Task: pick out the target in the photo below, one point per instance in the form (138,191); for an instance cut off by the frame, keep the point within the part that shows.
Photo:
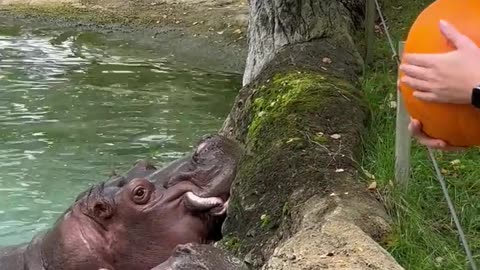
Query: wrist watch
(476,96)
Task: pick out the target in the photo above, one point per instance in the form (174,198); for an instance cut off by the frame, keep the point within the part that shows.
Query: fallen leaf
(438,259)
(327,60)
(336,136)
(238,31)
(368,174)
(455,162)
(293,139)
(372,186)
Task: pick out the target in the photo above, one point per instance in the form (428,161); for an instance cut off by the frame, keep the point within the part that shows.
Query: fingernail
(443,25)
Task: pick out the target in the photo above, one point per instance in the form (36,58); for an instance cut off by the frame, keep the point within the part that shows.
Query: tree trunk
(297,201)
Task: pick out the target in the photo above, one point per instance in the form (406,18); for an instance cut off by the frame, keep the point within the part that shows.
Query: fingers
(417,84)
(457,39)
(415,71)
(426,96)
(425,60)
(415,128)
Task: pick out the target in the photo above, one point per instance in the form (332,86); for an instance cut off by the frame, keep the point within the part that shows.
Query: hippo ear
(101,210)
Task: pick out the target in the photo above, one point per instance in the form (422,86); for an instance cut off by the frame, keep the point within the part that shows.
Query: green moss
(286,209)
(265,221)
(320,138)
(231,243)
(286,97)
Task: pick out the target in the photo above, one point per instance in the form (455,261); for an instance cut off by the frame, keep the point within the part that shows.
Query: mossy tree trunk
(297,201)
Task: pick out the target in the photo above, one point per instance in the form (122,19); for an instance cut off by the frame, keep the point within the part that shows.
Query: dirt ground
(219,18)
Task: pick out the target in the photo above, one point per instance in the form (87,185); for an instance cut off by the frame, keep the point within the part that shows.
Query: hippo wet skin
(136,221)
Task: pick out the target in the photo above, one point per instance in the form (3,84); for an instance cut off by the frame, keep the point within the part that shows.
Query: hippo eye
(140,195)
(140,192)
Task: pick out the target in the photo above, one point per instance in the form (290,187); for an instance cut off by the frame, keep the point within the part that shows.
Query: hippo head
(137,223)
(209,170)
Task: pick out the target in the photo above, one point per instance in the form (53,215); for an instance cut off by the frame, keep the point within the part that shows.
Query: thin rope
(434,161)
(390,41)
(452,209)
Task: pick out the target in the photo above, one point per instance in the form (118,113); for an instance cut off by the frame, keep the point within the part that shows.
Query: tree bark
(297,201)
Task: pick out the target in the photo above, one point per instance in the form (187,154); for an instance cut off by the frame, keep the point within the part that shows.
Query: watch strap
(476,97)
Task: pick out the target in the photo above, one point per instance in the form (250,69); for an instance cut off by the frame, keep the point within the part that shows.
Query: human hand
(415,128)
(448,77)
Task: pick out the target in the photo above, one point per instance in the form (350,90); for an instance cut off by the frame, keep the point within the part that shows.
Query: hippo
(137,220)
(195,256)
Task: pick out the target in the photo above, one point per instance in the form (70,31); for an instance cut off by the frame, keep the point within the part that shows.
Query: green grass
(424,235)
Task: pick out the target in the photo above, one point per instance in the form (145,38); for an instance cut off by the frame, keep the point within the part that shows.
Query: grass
(424,235)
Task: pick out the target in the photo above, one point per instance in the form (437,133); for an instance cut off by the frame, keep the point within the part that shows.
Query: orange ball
(458,125)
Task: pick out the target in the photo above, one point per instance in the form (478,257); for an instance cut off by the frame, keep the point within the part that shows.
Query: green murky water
(75,106)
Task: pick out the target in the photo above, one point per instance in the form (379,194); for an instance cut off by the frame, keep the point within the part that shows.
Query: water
(75,106)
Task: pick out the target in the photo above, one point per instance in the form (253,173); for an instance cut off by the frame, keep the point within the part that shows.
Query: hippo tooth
(199,203)
(220,210)
(201,146)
